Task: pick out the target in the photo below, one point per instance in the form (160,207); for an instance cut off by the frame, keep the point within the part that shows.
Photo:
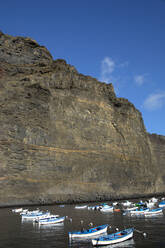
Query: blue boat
(89,232)
(154,212)
(114,237)
(139,211)
(162,204)
(50,220)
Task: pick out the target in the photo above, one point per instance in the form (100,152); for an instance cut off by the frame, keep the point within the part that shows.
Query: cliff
(66,137)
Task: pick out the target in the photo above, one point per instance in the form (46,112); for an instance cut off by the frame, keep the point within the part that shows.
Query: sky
(116,41)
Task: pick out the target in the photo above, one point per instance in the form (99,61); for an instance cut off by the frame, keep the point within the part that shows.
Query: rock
(66,137)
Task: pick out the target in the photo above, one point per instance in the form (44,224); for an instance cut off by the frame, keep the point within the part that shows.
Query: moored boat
(139,211)
(126,203)
(114,237)
(17,210)
(96,207)
(162,204)
(50,220)
(26,211)
(33,216)
(89,232)
(106,208)
(154,212)
(81,207)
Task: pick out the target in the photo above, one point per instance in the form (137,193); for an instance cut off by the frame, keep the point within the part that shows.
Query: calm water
(15,233)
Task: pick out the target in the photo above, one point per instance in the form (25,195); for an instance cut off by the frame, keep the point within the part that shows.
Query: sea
(16,232)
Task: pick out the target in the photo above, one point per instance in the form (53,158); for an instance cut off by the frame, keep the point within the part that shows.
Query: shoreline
(73,202)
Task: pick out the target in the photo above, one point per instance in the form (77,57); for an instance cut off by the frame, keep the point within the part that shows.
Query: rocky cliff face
(158,151)
(65,137)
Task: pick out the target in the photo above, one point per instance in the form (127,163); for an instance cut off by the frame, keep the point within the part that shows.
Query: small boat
(81,207)
(37,215)
(154,212)
(114,237)
(139,211)
(106,208)
(153,199)
(96,207)
(162,204)
(26,211)
(127,203)
(17,210)
(89,232)
(50,220)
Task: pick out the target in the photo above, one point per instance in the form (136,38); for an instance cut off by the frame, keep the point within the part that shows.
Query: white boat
(153,199)
(26,211)
(17,210)
(50,220)
(106,208)
(94,207)
(33,216)
(80,207)
(126,203)
(89,232)
(114,238)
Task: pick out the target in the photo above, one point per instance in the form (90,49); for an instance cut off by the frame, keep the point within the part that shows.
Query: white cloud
(107,67)
(111,72)
(154,101)
(139,79)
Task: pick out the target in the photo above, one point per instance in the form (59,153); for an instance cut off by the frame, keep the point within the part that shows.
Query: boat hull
(154,212)
(114,239)
(89,233)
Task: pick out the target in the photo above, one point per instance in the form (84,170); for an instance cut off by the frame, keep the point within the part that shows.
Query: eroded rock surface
(66,137)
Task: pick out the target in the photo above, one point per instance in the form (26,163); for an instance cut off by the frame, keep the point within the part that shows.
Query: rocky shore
(66,137)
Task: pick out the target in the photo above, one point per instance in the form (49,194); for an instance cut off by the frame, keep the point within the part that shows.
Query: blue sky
(118,41)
